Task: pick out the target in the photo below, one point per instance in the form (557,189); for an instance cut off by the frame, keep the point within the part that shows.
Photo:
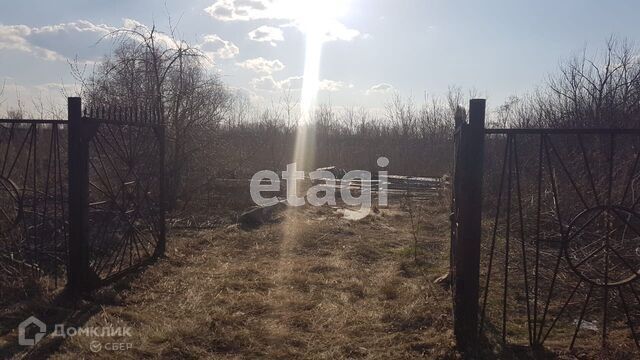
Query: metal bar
(588,168)
(36,238)
(62,198)
(18,152)
(561,131)
(493,238)
(612,150)
(467,252)
(114,122)
(522,238)
(605,305)
(6,153)
(32,121)
(568,173)
(591,255)
(507,247)
(553,323)
(582,313)
(632,171)
(556,200)
(162,236)
(630,323)
(537,257)
(25,178)
(78,199)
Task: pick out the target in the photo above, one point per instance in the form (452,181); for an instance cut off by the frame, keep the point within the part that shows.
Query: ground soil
(309,285)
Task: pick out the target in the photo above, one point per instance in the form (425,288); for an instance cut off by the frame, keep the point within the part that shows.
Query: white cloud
(240,10)
(291,83)
(212,45)
(268,83)
(262,65)
(14,37)
(269,34)
(338,31)
(164,39)
(290,11)
(216,48)
(333,86)
(244,96)
(380,89)
(57,42)
(89,42)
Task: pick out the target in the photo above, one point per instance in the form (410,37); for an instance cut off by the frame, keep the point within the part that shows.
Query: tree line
(214,132)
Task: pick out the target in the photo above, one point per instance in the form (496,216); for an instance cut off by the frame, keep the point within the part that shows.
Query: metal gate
(550,246)
(33,193)
(126,189)
(82,200)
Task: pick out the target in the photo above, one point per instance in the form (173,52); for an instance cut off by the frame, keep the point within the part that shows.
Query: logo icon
(32,338)
(95,346)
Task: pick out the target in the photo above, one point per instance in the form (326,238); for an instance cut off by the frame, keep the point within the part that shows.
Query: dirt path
(313,285)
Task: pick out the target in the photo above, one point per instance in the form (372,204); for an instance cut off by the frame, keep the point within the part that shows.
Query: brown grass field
(310,285)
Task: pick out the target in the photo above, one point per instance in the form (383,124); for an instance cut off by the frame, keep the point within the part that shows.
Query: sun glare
(316,19)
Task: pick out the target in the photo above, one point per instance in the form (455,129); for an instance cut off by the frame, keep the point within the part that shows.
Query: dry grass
(312,286)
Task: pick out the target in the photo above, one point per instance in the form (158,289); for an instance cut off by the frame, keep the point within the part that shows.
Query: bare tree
(598,91)
(149,69)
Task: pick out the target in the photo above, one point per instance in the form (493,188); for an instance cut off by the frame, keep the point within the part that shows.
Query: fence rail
(579,131)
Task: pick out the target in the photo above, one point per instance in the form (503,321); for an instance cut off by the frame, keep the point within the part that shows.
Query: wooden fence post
(466,247)
(78,159)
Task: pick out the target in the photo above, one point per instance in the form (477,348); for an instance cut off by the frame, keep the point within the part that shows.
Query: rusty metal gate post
(78,158)
(466,242)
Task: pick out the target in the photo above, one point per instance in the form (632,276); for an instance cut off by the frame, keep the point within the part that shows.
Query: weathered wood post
(78,159)
(466,247)
(460,119)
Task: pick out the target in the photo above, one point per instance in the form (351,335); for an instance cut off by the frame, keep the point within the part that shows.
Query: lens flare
(316,18)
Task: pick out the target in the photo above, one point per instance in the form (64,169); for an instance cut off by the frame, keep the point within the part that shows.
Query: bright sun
(316,18)
(319,15)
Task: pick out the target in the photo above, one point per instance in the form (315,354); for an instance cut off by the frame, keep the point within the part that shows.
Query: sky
(369,48)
